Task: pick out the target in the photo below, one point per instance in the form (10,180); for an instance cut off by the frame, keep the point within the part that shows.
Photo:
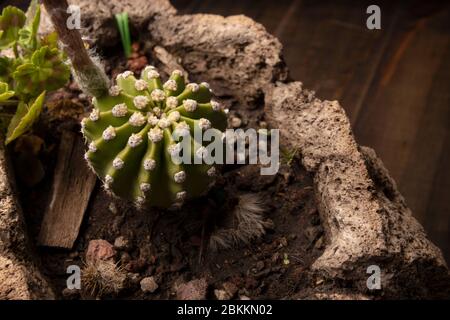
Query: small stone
(121,243)
(149,284)
(192,290)
(221,295)
(230,288)
(99,250)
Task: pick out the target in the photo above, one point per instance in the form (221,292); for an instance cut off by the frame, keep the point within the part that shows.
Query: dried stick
(90,75)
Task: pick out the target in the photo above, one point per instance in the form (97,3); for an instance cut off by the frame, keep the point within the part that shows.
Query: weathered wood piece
(73,183)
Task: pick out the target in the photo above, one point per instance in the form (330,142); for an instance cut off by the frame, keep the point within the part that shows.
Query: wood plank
(328,47)
(73,183)
(326,44)
(405,116)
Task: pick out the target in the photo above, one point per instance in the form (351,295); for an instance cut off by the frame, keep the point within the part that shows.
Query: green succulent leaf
(124,30)
(12,20)
(5,93)
(50,40)
(28,35)
(45,71)
(6,65)
(24,118)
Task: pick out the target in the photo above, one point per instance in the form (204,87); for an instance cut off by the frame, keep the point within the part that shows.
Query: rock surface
(19,275)
(98,23)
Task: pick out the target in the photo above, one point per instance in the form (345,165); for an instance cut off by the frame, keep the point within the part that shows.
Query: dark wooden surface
(394,83)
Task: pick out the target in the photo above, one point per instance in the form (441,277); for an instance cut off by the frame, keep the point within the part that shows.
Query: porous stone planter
(365,218)
(19,274)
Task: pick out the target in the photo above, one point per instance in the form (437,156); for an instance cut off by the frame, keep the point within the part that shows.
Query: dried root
(102,277)
(245,224)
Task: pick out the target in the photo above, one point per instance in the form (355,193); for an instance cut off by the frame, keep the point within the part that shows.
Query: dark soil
(173,246)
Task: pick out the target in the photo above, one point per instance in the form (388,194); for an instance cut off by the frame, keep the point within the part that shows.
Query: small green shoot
(288,156)
(124,29)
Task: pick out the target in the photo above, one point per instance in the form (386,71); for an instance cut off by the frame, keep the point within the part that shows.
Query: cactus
(130,138)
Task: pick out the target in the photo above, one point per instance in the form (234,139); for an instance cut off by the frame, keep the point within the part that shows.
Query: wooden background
(394,83)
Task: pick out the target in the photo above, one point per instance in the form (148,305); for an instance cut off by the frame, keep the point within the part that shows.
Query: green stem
(16,50)
(124,30)
(127,34)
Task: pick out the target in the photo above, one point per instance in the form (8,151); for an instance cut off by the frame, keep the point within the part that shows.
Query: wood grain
(73,183)
(405,116)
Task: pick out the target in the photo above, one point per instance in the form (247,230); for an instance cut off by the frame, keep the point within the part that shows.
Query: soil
(173,246)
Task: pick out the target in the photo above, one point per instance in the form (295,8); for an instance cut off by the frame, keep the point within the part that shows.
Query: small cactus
(129,132)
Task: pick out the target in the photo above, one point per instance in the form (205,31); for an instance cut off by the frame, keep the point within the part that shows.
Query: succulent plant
(30,66)
(131,140)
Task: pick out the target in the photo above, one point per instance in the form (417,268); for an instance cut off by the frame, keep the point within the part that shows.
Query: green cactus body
(130,137)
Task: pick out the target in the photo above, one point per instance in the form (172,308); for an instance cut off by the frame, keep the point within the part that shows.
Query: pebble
(221,295)
(192,290)
(149,285)
(121,243)
(99,250)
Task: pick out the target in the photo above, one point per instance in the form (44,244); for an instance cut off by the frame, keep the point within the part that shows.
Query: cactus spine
(131,141)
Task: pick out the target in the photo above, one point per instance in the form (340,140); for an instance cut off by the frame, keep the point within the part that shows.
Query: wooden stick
(73,183)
